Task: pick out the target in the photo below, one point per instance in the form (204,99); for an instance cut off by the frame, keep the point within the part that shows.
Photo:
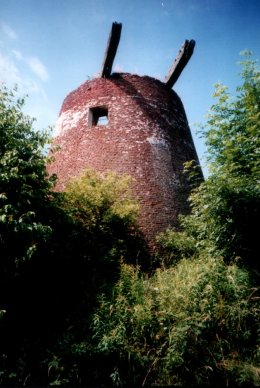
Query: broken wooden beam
(110,53)
(180,62)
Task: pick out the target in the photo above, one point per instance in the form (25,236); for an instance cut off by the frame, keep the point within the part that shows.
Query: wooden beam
(180,62)
(110,53)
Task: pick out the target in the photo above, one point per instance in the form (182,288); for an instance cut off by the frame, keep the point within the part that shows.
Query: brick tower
(132,125)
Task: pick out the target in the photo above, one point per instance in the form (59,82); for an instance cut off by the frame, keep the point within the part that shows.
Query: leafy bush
(72,311)
(225,208)
(173,246)
(99,198)
(192,324)
(103,207)
(58,252)
(24,187)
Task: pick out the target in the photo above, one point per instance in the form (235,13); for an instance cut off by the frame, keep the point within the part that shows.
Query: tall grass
(195,323)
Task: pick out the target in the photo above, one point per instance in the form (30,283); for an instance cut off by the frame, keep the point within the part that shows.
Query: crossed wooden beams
(175,71)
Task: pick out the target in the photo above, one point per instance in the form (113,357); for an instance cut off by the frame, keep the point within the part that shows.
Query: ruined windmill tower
(132,125)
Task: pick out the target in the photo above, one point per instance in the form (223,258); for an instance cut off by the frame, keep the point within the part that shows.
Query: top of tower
(175,70)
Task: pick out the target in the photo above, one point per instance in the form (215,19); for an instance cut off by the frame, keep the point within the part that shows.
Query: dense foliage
(191,324)
(58,250)
(23,187)
(226,206)
(78,305)
(195,321)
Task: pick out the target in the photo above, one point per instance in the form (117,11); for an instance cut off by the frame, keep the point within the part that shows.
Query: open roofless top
(175,70)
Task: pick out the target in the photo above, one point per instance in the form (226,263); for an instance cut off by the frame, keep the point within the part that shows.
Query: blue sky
(50,47)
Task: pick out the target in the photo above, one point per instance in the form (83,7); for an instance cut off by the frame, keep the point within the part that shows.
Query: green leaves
(195,320)
(181,326)
(24,186)
(225,207)
(72,312)
(98,199)
(232,130)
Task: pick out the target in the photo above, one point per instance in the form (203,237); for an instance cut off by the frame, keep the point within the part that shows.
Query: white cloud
(38,68)
(8,31)
(13,55)
(28,73)
(38,104)
(9,72)
(12,75)
(18,55)
(34,63)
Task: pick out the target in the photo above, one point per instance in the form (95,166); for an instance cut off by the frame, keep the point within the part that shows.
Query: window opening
(98,116)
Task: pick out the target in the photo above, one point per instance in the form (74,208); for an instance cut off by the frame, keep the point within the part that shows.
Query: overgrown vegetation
(225,208)
(58,250)
(195,321)
(77,306)
(192,324)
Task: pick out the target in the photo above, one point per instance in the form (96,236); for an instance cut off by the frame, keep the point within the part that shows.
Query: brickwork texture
(146,135)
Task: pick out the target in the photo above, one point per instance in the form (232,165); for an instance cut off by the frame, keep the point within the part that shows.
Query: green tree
(24,185)
(25,191)
(225,208)
(58,251)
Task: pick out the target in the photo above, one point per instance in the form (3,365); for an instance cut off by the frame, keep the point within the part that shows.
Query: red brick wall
(147,137)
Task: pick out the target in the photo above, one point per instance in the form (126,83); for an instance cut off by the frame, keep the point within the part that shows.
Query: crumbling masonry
(132,125)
